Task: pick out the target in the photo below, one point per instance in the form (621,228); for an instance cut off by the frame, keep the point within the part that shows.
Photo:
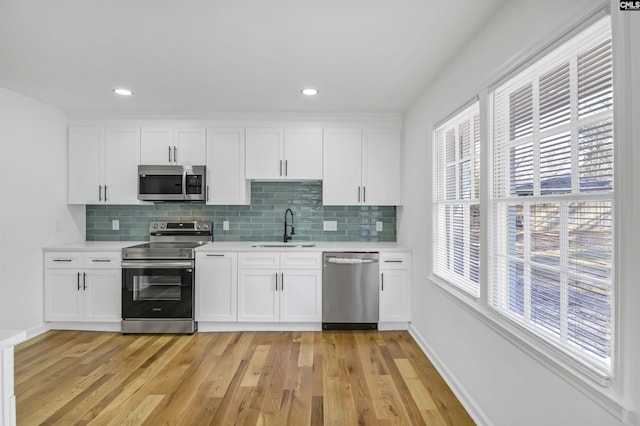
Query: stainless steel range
(158,278)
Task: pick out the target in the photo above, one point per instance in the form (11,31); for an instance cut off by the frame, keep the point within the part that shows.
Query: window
(456,255)
(551,204)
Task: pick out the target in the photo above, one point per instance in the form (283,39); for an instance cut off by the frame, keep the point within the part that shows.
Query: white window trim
(608,393)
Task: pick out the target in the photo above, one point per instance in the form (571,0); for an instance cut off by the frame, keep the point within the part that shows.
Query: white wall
(33,212)
(505,385)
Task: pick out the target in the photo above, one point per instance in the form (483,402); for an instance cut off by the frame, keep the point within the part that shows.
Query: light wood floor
(243,378)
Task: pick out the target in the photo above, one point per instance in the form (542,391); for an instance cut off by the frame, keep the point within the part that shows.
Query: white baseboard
(37,330)
(85,326)
(456,387)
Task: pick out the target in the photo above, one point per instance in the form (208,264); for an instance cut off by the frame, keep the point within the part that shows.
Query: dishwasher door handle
(349,260)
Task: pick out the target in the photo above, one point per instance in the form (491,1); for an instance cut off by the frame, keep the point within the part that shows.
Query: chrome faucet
(288,237)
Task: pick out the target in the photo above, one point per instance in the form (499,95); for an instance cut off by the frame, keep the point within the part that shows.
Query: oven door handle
(184,184)
(181,264)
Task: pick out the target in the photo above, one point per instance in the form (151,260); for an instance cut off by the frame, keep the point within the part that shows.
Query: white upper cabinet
(103,165)
(382,167)
(283,154)
(342,174)
(177,146)
(302,154)
(122,156)
(226,183)
(263,158)
(362,168)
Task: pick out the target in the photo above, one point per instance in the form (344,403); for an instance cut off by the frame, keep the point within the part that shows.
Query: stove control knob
(206,226)
(199,226)
(155,226)
(163,226)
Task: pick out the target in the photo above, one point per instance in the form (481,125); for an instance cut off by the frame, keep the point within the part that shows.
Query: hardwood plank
(142,411)
(252,376)
(414,413)
(306,350)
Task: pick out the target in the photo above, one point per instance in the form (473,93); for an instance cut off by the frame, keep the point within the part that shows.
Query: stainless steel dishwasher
(350,290)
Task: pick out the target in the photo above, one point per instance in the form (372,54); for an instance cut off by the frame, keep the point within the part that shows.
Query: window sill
(591,383)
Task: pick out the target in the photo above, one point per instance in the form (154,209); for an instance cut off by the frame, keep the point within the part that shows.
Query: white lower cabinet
(395,303)
(216,286)
(285,287)
(85,287)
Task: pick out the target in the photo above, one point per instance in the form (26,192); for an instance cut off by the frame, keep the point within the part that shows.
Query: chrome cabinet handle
(105,193)
(285,167)
(99,192)
(364,194)
(169,153)
(78,281)
(215,255)
(276,281)
(358,194)
(101,260)
(282,281)
(382,275)
(84,281)
(208,192)
(393,261)
(175,155)
(280,167)
(62,260)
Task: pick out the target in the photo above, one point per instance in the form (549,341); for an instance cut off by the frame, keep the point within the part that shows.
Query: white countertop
(11,338)
(92,246)
(89,246)
(318,246)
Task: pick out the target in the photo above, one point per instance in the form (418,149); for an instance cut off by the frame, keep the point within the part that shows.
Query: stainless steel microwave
(172,183)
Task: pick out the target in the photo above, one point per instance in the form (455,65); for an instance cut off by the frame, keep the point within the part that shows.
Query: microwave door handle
(184,184)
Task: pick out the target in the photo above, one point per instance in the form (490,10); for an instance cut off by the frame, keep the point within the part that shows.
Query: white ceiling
(207,56)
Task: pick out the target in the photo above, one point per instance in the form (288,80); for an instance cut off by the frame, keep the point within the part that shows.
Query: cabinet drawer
(394,260)
(63,260)
(298,260)
(103,260)
(262,260)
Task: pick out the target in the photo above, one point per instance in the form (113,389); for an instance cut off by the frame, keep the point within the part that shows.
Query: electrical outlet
(225,225)
(329,225)
(379,226)
(115,224)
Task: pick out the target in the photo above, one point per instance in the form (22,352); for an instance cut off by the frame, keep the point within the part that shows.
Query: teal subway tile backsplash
(263,220)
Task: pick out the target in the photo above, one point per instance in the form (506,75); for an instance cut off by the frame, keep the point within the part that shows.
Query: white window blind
(456,244)
(551,230)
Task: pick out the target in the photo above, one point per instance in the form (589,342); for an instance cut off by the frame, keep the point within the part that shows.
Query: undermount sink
(282,245)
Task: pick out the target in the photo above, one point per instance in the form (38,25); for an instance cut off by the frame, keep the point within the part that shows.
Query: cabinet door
(156,146)
(302,154)
(301,296)
(342,168)
(394,299)
(191,146)
(264,154)
(62,299)
(226,183)
(382,168)
(216,286)
(121,159)
(258,299)
(102,293)
(85,165)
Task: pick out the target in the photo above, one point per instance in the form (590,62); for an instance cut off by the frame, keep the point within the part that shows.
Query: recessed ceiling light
(309,91)
(123,92)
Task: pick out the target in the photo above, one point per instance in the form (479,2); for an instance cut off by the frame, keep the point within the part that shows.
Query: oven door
(157,289)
